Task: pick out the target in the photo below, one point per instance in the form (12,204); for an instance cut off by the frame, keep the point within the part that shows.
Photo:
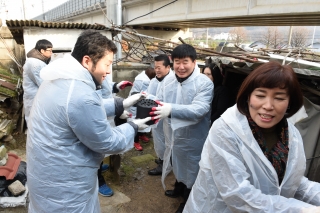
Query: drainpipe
(119,23)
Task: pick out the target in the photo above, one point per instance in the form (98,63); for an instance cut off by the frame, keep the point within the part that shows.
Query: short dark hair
(271,75)
(184,51)
(164,58)
(43,44)
(93,44)
(150,72)
(216,74)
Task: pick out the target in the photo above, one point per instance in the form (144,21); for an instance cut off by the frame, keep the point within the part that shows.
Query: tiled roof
(16,27)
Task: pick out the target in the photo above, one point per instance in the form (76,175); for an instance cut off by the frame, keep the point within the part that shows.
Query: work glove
(131,100)
(162,111)
(125,115)
(123,84)
(311,210)
(141,123)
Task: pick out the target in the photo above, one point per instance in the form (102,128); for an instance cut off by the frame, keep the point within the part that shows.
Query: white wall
(60,38)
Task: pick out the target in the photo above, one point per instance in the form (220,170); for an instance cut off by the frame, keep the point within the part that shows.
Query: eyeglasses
(49,50)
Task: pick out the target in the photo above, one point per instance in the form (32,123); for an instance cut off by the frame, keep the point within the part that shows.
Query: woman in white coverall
(253,159)
(69,133)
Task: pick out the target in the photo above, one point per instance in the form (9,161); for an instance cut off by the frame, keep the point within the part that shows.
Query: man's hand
(133,99)
(123,84)
(141,123)
(162,111)
(125,115)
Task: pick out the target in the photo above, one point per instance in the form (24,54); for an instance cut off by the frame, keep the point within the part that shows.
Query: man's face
(160,69)
(102,68)
(47,53)
(183,67)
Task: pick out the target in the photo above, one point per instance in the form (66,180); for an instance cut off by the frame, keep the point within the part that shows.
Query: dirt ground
(145,192)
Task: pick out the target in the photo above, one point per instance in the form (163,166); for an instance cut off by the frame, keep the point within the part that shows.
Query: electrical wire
(105,14)
(150,12)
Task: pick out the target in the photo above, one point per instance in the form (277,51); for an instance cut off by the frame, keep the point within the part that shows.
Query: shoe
(171,193)
(104,167)
(137,146)
(105,191)
(181,207)
(144,138)
(158,161)
(156,171)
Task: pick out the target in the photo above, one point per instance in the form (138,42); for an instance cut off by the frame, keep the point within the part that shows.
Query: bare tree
(272,37)
(299,37)
(238,35)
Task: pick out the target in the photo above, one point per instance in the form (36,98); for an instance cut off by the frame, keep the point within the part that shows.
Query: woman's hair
(93,44)
(43,44)
(271,75)
(150,72)
(216,74)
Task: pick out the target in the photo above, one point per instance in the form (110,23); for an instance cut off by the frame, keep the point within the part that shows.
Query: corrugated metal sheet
(36,23)
(16,27)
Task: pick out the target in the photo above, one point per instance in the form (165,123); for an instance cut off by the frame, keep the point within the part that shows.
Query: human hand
(123,84)
(162,111)
(315,209)
(125,115)
(131,100)
(141,123)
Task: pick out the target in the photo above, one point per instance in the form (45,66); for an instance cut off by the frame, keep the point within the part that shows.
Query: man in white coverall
(185,109)
(162,68)
(69,133)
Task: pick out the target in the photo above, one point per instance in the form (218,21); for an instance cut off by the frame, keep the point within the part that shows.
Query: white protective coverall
(235,176)
(106,90)
(67,139)
(140,84)
(187,128)
(157,130)
(31,82)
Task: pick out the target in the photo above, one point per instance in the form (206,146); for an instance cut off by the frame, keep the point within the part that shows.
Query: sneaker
(104,167)
(137,146)
(105,191)
(144,138)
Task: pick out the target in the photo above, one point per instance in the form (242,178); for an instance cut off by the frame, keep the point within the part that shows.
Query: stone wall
(126,71)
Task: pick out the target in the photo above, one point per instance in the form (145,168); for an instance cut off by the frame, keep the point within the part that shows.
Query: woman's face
(268,106)
(207,72)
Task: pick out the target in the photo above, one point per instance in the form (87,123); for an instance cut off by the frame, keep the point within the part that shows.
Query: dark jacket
(220,102)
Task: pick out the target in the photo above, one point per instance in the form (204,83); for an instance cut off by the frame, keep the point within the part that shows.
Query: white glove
(125,115)
(142,123)
(161,111)
(311,210)
(131,100)
(123,84)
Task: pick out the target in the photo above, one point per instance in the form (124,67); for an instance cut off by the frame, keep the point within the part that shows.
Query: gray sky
(13,9)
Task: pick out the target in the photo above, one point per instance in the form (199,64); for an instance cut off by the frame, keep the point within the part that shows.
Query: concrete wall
(184,10)
(60,38)
(126,71)
(90,18)
(167,35)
